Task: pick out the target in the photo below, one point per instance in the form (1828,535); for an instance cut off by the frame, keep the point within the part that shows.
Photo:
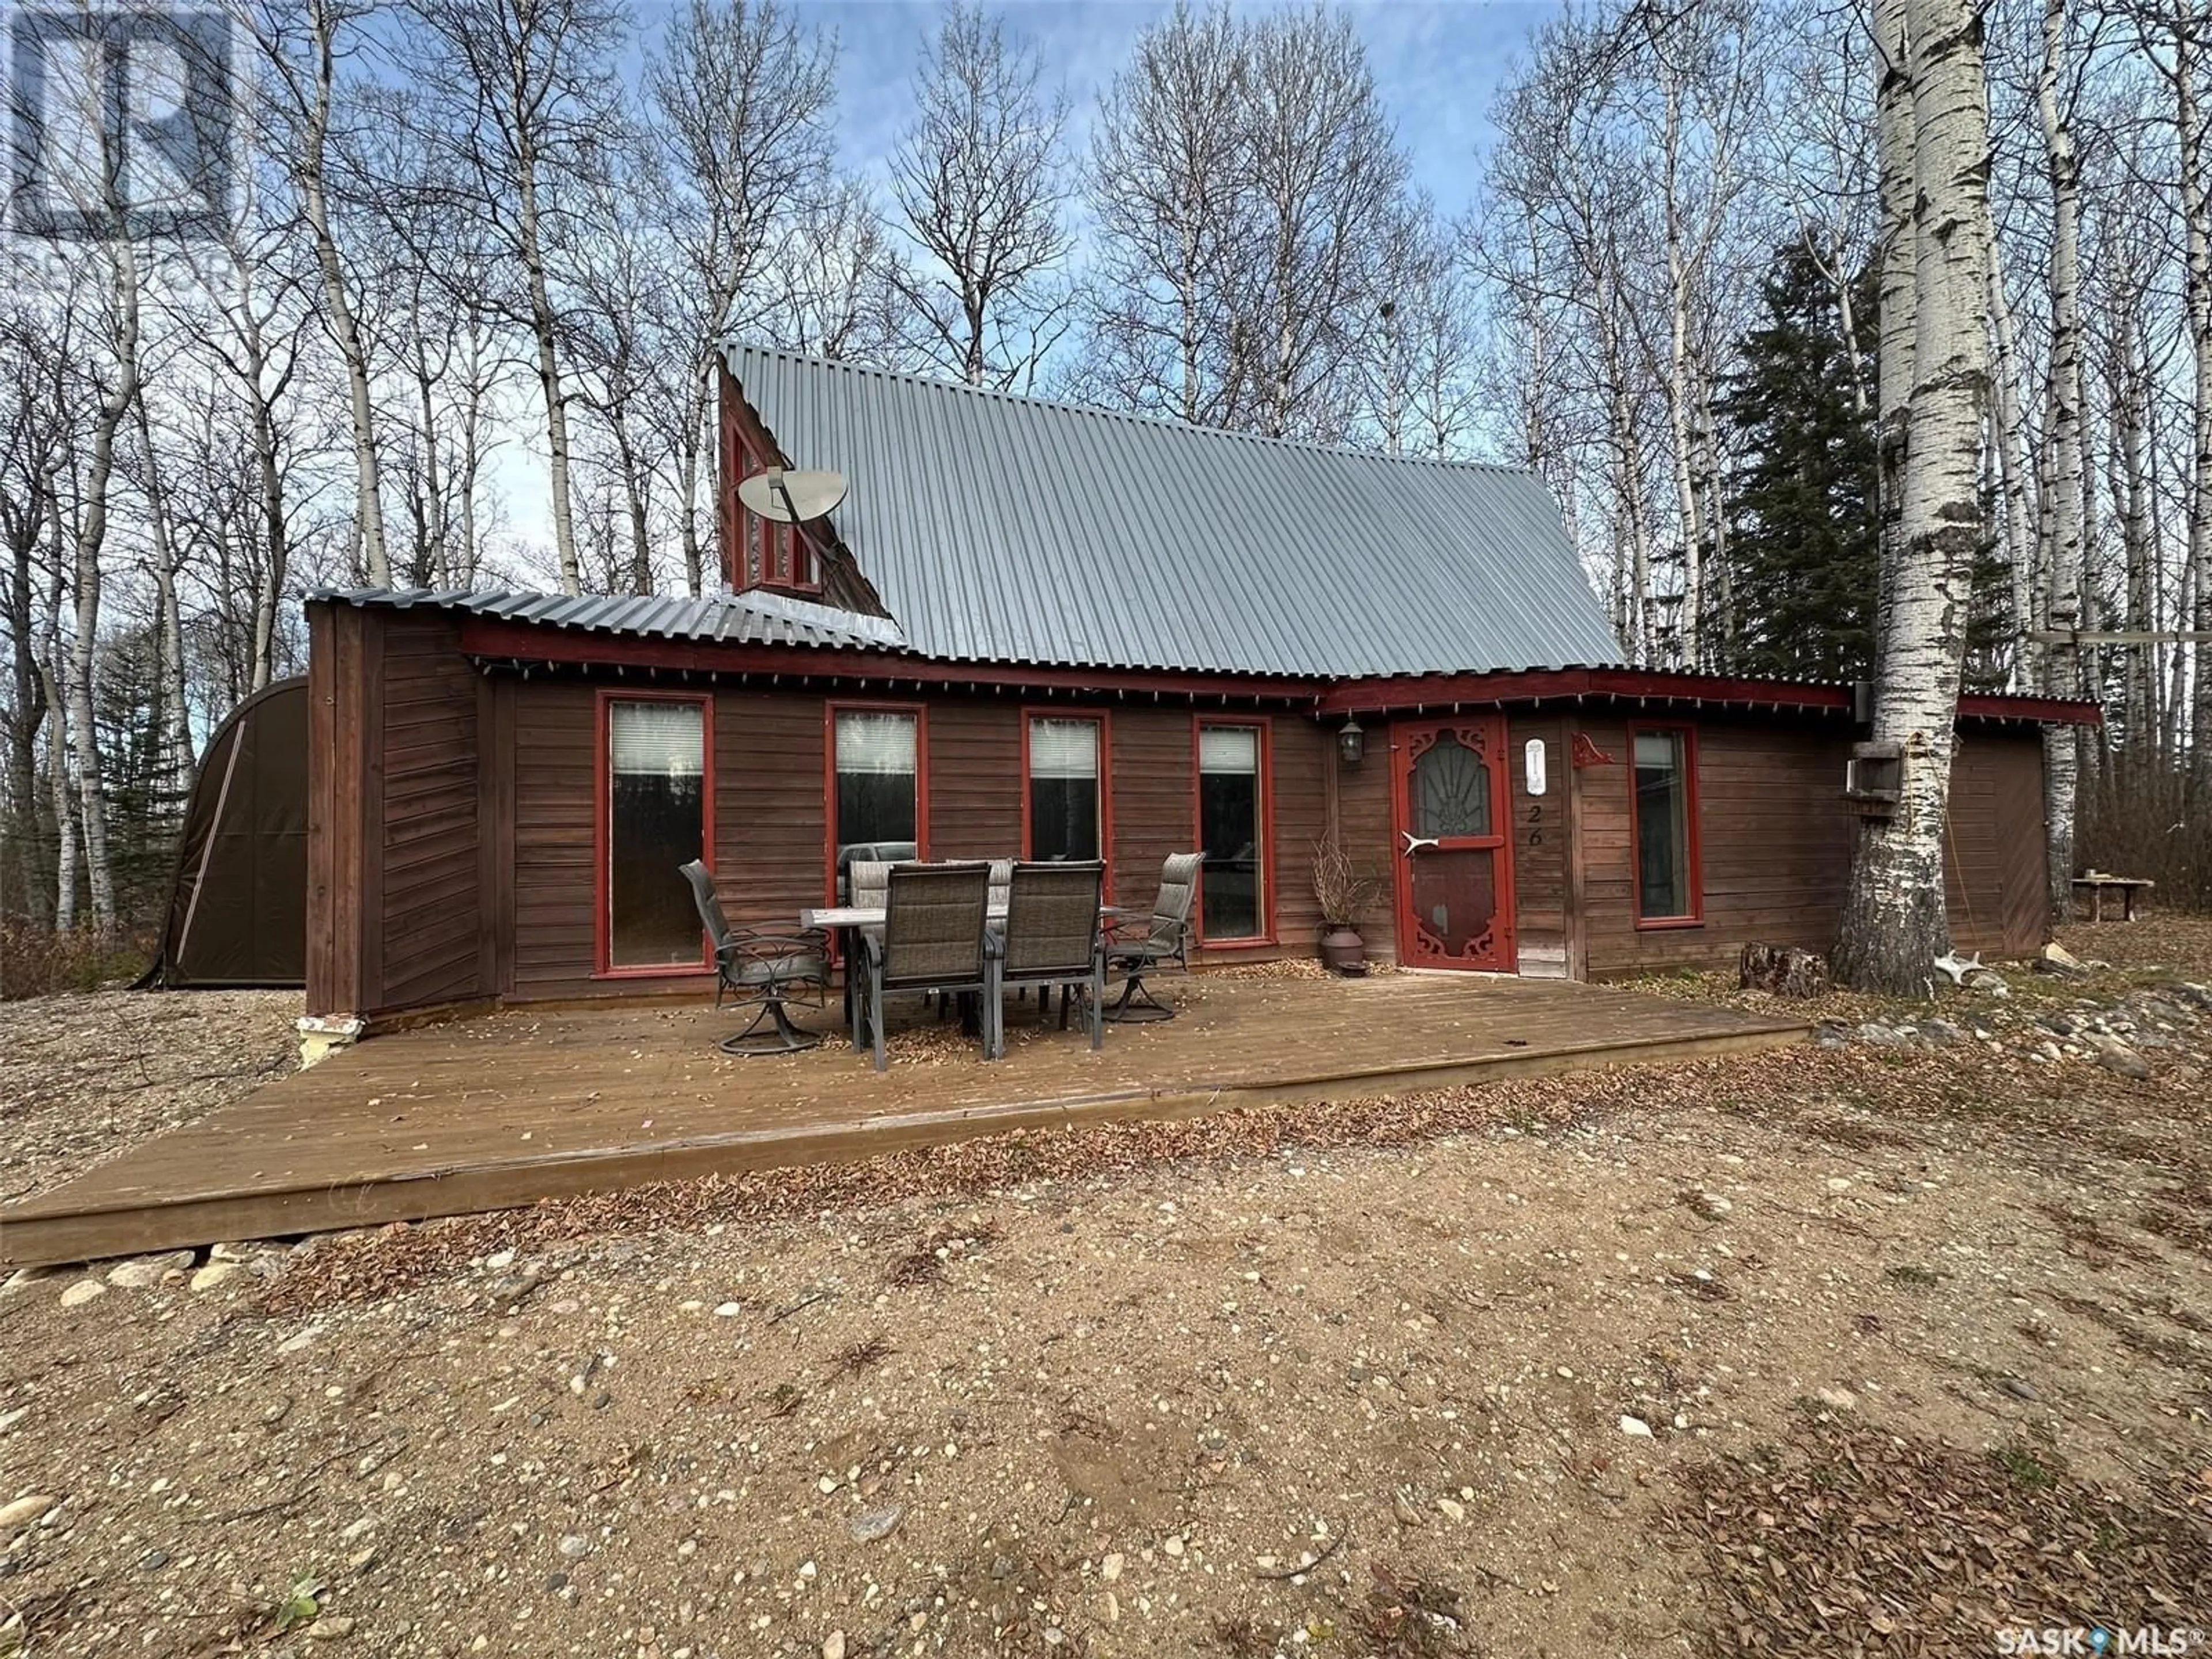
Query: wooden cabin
(1035,631)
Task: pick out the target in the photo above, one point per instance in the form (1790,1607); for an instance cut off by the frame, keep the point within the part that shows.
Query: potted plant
(1346,892)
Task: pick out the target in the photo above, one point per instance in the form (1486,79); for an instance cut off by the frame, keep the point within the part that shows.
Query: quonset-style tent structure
(238,915)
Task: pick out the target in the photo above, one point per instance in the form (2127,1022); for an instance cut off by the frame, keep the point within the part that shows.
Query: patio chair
(932,941)
(1138,942)
(865,882)
(884,853)
(770,968)
(1051,938)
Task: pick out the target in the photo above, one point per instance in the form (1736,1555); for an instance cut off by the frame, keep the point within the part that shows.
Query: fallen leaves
(1849,1529)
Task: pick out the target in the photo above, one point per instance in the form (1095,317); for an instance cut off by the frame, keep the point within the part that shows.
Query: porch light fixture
(1351,742)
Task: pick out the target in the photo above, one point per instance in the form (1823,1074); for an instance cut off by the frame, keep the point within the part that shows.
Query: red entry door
(1455,871)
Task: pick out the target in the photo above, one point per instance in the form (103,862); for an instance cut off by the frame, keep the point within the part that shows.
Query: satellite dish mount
(791,497)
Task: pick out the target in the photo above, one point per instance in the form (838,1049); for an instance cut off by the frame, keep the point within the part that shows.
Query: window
(876,770)
(655,817)
(1065,769)
(1232,831)
(1665,815)
(774,555)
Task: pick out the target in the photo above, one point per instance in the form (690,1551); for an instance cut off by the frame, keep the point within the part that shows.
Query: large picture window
(877,789)
(1232,831)
(1067,789)
(1665,813)
(656,818)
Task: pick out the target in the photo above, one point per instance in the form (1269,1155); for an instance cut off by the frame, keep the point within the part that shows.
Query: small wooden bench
(2097,886)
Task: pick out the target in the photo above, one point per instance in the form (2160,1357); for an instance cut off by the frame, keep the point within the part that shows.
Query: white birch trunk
(60,775)
(1897,919)
(2061,662)
(2196,216)
(1678,396)
(2015,480)
(85,577)
(545,327)
(168,624)
(338,306)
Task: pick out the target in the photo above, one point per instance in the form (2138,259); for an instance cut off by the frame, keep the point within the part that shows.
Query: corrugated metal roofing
(1011,530)
(740,619)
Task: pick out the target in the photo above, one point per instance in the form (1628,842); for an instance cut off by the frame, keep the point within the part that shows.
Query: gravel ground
(1714,1358)
(85,1077)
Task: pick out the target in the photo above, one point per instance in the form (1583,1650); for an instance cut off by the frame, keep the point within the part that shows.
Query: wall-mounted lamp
(1351,742)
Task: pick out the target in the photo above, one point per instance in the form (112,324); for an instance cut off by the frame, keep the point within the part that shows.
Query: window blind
(1063,749)
(1657,750)
(655,739)
(1227,748)
(878,745)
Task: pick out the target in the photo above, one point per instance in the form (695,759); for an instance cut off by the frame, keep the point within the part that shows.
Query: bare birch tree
(1896,921)
(303,45)
(2064,498)
(529,100)
(1165,189)
(743,97)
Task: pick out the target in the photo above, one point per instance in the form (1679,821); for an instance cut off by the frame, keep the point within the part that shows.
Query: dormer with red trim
(759,553)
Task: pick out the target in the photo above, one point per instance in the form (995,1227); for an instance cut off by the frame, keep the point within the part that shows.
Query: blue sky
(1437,61)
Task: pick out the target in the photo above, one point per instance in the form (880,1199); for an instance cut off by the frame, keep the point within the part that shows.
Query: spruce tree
(1803,539)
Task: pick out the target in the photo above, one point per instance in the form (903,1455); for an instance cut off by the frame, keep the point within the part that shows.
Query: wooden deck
(502,1111)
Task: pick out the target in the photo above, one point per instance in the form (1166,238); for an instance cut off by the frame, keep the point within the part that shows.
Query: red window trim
(789,562)
(1267,727)
(1695,857)
(830,713)
(603,847)
(1105,722)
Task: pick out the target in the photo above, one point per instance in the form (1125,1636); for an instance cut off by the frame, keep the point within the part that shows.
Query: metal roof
(739,619)
(1012,529)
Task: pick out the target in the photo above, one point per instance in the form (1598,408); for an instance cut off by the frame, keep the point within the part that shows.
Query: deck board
(506,1109)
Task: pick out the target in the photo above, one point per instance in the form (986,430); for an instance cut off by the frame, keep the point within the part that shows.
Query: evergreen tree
(1803,540)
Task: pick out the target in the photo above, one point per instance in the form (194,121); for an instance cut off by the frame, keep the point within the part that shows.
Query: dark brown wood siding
(770,815)
(1365,822)
(1305,754)
(1996,868)
(975,779)
(427,942)
(555,776)
(1775,843)
(1538,844)
(341,718)
(1155,773)
(769,806)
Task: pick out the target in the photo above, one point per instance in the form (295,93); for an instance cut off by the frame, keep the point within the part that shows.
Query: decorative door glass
(1454,889)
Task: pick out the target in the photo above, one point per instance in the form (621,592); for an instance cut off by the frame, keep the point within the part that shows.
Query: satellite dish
(791,497)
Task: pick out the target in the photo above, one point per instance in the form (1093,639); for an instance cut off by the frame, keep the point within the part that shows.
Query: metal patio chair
(770,968)
(866,885)
(932,941)
(1139,943)
(1052,937)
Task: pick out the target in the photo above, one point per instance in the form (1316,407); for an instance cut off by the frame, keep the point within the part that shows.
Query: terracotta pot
(1343,951)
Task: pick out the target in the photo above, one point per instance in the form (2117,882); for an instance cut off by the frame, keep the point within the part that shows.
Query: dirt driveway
(1897,1344)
